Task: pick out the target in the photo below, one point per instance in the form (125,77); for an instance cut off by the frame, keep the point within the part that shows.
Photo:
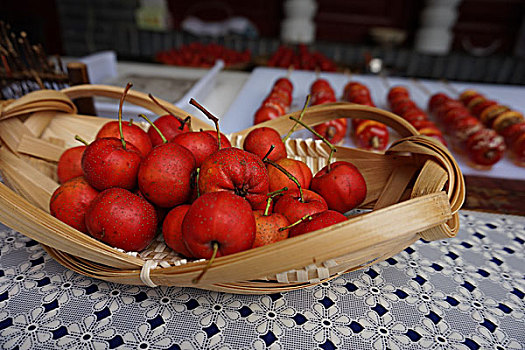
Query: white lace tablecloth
(462,293)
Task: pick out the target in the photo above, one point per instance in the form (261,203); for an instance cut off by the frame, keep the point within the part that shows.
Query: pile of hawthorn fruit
(301,57)
(208,199)
(203,55)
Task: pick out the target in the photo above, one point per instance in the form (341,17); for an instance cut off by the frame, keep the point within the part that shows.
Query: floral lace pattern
(467,292)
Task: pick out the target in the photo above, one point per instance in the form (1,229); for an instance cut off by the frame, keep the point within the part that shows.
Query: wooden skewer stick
(384,80)
(347,73)
(449,87)
(289,71)
(420,86)
(28,52)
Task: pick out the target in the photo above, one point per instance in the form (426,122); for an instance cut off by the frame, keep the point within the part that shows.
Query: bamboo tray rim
(440,221)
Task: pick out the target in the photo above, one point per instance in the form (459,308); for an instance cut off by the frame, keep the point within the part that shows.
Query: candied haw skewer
(321,92)
(368,134)
(401,104)
(503,120)
(277,102)
(482,145)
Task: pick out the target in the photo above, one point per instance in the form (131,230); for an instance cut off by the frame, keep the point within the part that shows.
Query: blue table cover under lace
(462,293)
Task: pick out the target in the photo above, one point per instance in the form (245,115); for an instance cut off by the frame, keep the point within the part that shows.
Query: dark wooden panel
(488,24)
(265,14)
(38,18)
(351,20)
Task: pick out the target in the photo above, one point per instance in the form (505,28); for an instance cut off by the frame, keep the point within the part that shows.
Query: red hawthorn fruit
(70,201)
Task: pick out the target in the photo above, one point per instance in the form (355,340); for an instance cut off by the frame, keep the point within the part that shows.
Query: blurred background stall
(469,40)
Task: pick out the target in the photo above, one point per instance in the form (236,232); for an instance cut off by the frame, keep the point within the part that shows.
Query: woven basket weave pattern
(414,190)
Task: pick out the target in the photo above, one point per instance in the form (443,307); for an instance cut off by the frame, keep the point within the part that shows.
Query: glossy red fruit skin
(467,96)
(172,229)
(165,175)
(321,98)
(400,107)
(415,114)
(319,221)
(70,164)
(237,171)
(396,91)
(268,226)
(70,201)
(399,99)
(441,110)
(463,127)
(363,100)
(221,217)
(283,93)
(161,212)
(265,113)
(485,147)
(169,125)
(358,96)
(453,115)
(320,85)
(107,164)
(333,130)
(367,132)
(355,89)
(200,144)
(275,102)
(297,168)
(290,205)
(259,140)
(132,133)
(284,83)
(225,142)
(436,100)
(478,108)
(343,187)
(512,132)
(423,123)
(122,219)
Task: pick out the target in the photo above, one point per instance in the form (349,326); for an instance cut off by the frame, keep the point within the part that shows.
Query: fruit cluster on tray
(201,55)
(207,198)
(505,121)
(301,57)
(480,129)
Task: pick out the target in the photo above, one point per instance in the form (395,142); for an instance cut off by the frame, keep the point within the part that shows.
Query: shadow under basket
(415,190)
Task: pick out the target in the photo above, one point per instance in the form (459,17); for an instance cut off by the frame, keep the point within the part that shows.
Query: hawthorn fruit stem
(268,153)
(186,120)
(306,217)
(161,106)
(197,174)
(210,116)
(164,140)
(375,142)
(78,138)
(306,103)
(197,279)
(271,195)
(284,171)
(332,147)
(121,104)
(421,86)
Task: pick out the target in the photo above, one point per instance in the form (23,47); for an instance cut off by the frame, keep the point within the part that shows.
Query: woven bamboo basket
(415,190)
